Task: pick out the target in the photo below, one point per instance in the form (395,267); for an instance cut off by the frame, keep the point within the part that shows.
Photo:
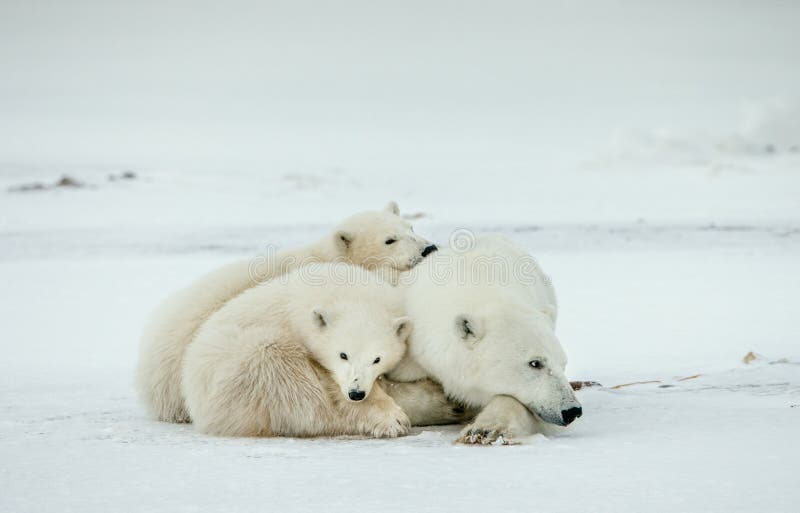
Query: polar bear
(484,321)
(300,356)
(375,240)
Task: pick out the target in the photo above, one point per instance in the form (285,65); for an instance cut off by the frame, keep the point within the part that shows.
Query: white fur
(360,239)
(270,361)
(476,330)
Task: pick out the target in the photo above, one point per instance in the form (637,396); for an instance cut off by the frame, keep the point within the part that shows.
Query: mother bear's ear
(469,329)
(321,317)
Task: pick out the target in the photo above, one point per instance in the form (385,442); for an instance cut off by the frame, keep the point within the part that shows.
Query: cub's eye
(377,360)
(343,356)
(390,241)
(536,364)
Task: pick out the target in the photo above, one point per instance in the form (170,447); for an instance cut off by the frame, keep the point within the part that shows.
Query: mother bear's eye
(536,364)
(343,356)
(390,241)
(377,360)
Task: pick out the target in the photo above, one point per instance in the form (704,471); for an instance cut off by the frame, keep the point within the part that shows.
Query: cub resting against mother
(490,343)
(378,240)
(300,356)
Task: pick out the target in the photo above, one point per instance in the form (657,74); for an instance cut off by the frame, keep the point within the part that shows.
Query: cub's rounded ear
(402,327)
(551,312)
(393,208)
(468,328)
(343,240)
(321,317)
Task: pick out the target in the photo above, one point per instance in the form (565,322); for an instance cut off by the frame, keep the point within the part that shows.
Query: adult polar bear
(484,319)
(374,240)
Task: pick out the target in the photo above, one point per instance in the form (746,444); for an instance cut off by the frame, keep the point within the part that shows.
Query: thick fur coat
(379,240)
(300,357)
(484,327)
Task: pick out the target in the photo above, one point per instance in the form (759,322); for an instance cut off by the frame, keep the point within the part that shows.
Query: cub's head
(357,345)
(514,351)
(381,239)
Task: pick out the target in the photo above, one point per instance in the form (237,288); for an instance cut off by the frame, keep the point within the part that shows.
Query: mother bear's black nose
(356,395)
(428,250)
(571,414)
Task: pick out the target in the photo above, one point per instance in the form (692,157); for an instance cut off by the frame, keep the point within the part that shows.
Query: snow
(72,436)
(669,450)
(646,153)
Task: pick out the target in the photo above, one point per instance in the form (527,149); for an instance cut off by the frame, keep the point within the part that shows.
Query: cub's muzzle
(356,395)
(428,250)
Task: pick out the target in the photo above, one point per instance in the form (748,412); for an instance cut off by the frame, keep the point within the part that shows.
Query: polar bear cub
(484,327)
(300,356)
(380,240)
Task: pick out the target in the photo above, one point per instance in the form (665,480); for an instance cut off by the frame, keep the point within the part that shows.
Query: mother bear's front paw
(479,434)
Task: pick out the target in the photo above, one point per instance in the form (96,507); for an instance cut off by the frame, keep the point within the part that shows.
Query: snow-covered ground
(638,304)
(647,153)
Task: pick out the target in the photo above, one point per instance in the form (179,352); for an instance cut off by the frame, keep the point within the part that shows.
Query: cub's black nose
(569,415)
(356,395)
(429,249)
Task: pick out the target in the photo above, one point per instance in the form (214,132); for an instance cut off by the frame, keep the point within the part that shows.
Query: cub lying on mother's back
(375,240)
(299,356)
